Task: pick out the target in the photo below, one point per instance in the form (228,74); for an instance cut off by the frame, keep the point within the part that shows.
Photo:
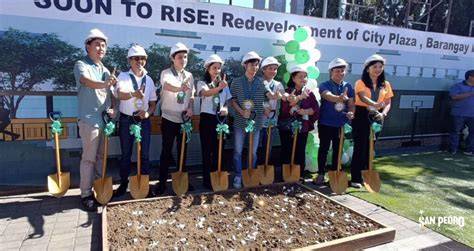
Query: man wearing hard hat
(177,97)
(337,107)
(248,95)
(137,94)
(94,83)
(275,89)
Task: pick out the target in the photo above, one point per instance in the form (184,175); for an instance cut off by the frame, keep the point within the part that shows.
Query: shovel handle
(219,158)
(58,161)
(295,137)
(371,148)
(181,157)
(267,150)
(139,162)
(104,162)
(250,151)
(339,151)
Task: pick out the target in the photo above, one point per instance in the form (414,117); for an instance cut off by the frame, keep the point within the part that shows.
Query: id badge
(248,104)
(180,97)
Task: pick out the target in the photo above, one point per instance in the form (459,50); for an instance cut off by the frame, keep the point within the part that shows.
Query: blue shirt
(328,115)
(463,107)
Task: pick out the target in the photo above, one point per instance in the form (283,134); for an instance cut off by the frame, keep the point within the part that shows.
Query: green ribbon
(135,131)
(249,127)
(296,124)
(347,128)
(109,129)
(376,127)
(270,122)
(222,129)
(187,128)
(56,127)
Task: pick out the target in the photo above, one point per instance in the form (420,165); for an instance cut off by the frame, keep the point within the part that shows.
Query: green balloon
(300,34)
(347,144)
(302,56)
(286,77)
(329,158)
(313,72)
(292,47)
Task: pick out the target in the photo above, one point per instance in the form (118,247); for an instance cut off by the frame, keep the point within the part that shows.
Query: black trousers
(170,131)
(209,146)
(360,134)
(328,134)
(286,138)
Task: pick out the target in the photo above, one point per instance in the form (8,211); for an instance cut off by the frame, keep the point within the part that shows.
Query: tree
(29,60)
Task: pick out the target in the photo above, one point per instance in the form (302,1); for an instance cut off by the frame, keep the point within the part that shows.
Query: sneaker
(356,185)
(121,190)
(469,153)
(89,204)
(237,182)
(319,180)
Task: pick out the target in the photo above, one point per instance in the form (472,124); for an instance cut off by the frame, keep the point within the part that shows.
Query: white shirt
(277,87)
(131,105)
(170,108)
(207,105)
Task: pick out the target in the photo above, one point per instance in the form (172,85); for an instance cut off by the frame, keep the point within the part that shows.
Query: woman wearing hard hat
(337,107)
(269,68)
(248,95)
(301,105)
(137,94)
(177,96)
(214,94)
(94,94)
(373,99)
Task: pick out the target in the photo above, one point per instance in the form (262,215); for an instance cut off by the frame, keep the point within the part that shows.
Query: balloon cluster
(300,51)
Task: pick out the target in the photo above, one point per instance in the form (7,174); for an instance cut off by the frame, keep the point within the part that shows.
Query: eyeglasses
(136,58)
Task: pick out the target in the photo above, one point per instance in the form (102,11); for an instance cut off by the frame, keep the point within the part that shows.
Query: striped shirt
(238,94)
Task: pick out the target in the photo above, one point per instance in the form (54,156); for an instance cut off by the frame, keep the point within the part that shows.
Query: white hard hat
(136,50)
(372,58)
(337,62)
(214,58)
(269,61)
(93,34)
(178,47)
(298,69)
(249,56)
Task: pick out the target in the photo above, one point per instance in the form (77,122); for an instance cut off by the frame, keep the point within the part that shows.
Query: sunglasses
(138,58)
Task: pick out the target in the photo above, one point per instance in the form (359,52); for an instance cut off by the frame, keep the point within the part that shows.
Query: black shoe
(89,204)
(121,190)
(191,187)
(159,190)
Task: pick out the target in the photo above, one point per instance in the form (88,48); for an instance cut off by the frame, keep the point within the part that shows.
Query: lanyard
(135,84)
(374,94)
(96,69)
(246,89)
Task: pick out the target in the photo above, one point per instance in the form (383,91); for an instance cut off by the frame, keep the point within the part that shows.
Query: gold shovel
(58,183)
(338,178)
(251,177)
(179,179)
(103,190)
(219,180)
(139,184)
(371,177)
(291,172)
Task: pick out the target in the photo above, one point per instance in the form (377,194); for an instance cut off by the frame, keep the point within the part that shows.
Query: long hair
(368,81)
(291,83)
(207,76)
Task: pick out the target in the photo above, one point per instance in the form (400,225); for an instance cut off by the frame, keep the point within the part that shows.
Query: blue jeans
(457,125)
(126,144)
(239,139)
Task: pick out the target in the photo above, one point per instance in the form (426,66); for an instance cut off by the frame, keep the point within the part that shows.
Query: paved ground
(39,221)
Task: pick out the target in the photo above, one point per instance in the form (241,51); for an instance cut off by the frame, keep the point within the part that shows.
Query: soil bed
(276,216)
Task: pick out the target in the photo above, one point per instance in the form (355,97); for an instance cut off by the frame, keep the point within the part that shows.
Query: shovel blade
(291,173)
(268,174)
(338,181)
(103,191)
(371,180)
(180,182)
(58,187)
(251,177)
(219,181)
(139,188)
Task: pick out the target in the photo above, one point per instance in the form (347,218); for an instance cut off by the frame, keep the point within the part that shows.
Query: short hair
(468,74)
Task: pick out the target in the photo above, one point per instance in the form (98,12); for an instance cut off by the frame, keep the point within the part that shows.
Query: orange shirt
(385,93)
